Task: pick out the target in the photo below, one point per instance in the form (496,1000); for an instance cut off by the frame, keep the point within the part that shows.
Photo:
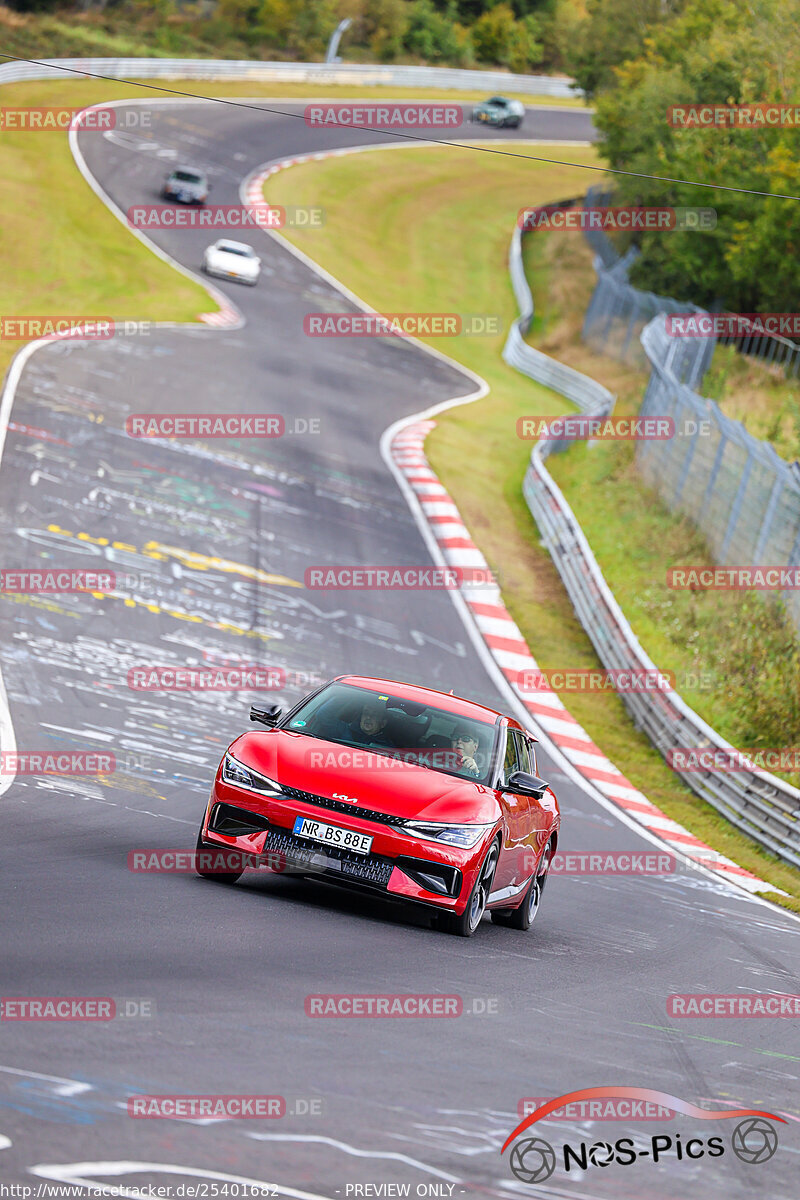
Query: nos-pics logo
(533,1160)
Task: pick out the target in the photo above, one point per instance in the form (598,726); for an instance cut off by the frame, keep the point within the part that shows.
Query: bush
(525,51)
(492,34)
(431,34)
(385,23)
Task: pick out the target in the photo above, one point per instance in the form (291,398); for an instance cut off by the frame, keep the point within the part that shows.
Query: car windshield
(233,248)
(187,177)
(409,730)
(498,100)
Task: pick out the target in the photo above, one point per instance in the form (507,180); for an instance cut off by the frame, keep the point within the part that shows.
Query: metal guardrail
(361,74)
(757,803)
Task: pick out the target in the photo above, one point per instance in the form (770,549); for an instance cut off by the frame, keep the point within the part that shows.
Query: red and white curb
(499,633)
(227,317)
(253,190)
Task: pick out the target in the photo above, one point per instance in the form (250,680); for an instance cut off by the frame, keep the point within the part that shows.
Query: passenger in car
(465,745)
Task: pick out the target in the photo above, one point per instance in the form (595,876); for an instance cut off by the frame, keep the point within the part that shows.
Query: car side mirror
(526,785)
(266,716)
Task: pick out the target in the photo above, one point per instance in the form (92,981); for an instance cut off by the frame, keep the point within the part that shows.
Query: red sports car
(401,790)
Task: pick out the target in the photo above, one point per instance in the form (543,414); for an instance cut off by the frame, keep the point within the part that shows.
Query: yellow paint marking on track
(204,562)
(190,558)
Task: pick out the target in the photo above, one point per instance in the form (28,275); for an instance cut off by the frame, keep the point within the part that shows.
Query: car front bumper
(398,865)
(221,273)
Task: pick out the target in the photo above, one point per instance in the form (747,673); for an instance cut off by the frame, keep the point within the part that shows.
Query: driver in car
(465,745)
(369,731)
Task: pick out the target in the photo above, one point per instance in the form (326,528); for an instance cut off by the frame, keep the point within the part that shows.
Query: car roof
(423,695)
(231,242)
(191,170)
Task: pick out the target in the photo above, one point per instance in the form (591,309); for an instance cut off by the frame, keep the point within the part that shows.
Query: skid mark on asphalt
(698,1037)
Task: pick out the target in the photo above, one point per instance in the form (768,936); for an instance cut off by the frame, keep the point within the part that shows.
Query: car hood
(397,788)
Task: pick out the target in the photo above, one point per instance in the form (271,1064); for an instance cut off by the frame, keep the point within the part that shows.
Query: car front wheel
(207,852)
(524,916)
(470,919)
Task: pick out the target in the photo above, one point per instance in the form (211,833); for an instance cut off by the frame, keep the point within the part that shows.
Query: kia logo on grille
(341,796)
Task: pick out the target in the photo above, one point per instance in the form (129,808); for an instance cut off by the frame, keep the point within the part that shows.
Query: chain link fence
(618,312)
(740,494)
(736,489)
(759,804)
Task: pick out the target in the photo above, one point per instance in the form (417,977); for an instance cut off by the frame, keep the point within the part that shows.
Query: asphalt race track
(225,532)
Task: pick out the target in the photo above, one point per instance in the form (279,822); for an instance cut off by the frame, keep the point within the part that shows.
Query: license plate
(331,835)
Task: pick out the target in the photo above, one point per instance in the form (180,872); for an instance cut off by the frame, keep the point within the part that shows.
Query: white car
(232,260)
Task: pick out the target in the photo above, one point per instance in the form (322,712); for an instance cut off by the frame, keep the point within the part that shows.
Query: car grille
(365,868)
(340,806)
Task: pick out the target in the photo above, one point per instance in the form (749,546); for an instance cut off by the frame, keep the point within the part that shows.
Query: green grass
(63,252)
(426,230)
(763,399)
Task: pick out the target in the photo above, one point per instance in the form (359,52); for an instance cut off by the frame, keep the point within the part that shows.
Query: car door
(539,817)
(516,812)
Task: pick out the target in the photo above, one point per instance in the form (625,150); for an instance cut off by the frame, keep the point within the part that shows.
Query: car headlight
(238,774)
(464,836)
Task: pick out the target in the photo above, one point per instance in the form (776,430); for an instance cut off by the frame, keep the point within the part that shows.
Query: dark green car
(499,111)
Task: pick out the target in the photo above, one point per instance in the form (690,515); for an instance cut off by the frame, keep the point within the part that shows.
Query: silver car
(499,111)
(186,185)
